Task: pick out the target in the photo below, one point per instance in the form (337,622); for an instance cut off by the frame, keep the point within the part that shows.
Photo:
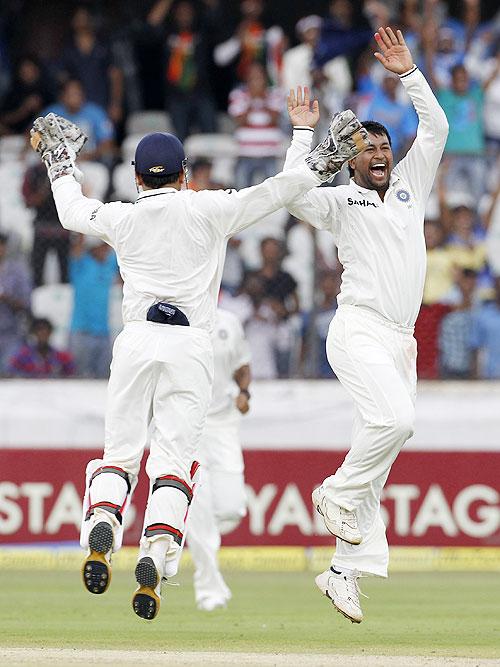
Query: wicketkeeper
(170,247)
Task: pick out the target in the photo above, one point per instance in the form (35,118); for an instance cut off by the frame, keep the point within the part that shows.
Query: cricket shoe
(343,590)
(146,600)
(211,604)
(339,522)
(96,570)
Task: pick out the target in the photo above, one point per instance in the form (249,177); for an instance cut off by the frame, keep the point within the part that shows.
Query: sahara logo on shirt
(360,202)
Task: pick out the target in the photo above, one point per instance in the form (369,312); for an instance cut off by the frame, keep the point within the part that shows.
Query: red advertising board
(431,498)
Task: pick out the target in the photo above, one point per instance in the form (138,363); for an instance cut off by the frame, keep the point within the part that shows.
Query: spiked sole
(96,570)
(353,620)
(146,603)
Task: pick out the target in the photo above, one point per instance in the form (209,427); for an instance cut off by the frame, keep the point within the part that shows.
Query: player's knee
(229,521)
(403,425)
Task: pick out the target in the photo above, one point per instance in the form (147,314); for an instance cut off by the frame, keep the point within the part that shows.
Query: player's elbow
(441,126)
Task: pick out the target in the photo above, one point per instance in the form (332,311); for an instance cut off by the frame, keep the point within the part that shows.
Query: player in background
(170,247)
(219,503)
(377,223)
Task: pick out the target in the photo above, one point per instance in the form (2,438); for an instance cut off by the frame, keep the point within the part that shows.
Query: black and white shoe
(146,600)
(96,570)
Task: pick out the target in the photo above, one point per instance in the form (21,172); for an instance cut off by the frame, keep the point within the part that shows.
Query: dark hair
(38,322)
(4,238)
(378,130)
(155,182)
(459,67)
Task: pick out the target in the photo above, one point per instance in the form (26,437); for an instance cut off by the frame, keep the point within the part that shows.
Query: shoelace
(348,518)
(353,588)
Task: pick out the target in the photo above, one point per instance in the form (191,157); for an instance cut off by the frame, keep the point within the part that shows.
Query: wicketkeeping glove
(58,141)
(346,139)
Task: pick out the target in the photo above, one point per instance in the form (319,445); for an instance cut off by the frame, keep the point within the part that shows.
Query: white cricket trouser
(375,360)
(160,388)
(219,503)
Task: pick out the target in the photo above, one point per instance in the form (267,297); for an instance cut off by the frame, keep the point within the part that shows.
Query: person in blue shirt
(92,272)
(399,118)
(485,337)
(90,118)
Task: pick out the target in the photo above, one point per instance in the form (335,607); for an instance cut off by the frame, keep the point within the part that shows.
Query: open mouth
(378,170)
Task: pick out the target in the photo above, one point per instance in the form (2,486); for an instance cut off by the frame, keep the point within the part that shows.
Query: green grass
(452,614)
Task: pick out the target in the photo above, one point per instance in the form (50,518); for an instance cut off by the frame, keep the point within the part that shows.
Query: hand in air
(394,54)
(300,110)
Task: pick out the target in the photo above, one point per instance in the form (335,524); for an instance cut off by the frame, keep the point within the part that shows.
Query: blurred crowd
(218,79)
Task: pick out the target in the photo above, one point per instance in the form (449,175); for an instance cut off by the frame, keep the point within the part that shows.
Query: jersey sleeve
(78,213)
(318,207)
(418,168)
(231,211)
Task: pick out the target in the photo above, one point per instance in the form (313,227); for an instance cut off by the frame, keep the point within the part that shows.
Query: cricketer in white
(220,503)
(377,223)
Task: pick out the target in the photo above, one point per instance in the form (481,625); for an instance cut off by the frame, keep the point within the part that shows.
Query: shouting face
(372,168)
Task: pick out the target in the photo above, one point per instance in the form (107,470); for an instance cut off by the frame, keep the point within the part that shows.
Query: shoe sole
(146,602)
(341,611)
(96,571)
(318,510)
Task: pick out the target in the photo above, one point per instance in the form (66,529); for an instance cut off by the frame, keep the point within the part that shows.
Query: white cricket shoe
(339,522)
(343,590)
(211,604)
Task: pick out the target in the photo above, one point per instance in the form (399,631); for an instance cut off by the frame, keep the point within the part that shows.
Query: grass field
(426,614)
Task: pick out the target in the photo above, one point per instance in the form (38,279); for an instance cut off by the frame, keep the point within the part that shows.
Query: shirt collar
(157,191)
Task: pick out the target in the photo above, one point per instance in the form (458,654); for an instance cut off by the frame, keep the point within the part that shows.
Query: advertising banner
(432,498)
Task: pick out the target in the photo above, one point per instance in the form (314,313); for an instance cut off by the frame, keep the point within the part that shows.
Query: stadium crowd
(183,66)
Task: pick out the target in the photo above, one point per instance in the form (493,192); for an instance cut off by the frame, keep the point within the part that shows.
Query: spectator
(259,320)
(316,326)
(455,352)
(201,176)
(256,109)
(38,359)
(280,293)
(89,60)
(15,291)
(49,234)
(297,60)
(466,245)
(346,31)
(252,42)
(90,117)
(234,267)
(440,268)
(30,91)
(441,53)
(189,95)
(298,66)
(463,104)
(92,273)
(485,339)
(399,118)
(277,284)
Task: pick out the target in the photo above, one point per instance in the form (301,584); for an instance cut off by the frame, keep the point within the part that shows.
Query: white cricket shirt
(171,244)
(381,243)
(231,352)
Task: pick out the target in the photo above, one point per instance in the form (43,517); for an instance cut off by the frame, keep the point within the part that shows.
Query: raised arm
(232,211)
(314,207)
(420,164)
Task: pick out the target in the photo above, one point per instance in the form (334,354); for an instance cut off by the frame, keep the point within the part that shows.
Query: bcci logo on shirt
(403,195)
